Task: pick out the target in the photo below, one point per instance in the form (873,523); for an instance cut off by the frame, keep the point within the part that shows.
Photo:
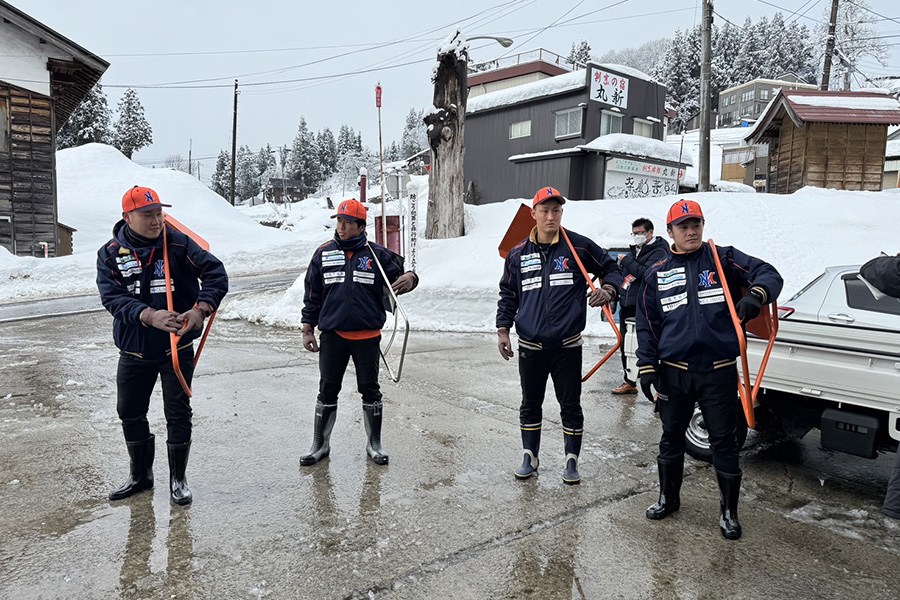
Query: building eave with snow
(44,76)
(545,133)
(826,139)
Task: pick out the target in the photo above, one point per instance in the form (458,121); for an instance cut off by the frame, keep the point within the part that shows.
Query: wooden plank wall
(790,159)
(846,156)
(27,177)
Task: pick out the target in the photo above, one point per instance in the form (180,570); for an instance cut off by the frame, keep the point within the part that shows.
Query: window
(568,123)
(725,101)
(520,130)
(610,122)
(859,296)
(4,125)
(733,98)
(643,128)
(763,94)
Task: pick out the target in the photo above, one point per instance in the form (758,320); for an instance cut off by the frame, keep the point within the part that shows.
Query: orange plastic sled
(519,229)
(174,339)
(764,326)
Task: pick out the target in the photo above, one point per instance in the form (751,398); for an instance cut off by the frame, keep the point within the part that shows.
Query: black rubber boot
(572,443)
(140,477)
(178,459)
(324,423)
(729,491)
(372,421)
(531,444)
(671,474)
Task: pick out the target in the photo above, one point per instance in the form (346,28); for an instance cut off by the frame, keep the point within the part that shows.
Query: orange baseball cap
(684,209)
(547,193)
(350,210)
(141,198)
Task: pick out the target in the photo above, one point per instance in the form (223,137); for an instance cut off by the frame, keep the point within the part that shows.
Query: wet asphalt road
(444,520)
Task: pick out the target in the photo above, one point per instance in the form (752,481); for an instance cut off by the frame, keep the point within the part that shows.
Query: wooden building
(43,78)
(826,139)
(282,190)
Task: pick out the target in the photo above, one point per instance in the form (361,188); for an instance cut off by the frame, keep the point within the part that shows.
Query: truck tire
(697,438)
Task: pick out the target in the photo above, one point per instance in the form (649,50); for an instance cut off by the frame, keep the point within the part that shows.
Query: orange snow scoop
(174,339)
(519,229)
(764,326)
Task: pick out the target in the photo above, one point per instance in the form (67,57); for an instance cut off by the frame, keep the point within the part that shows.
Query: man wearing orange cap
(343,297)
(688,349)
(131,279)
(542,293)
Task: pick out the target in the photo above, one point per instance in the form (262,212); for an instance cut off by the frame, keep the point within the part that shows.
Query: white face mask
(639,239)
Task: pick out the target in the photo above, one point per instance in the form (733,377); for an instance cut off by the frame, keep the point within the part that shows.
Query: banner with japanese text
(609,88)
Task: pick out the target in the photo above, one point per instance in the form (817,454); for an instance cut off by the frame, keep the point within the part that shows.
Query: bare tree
(176,162)
(445,126)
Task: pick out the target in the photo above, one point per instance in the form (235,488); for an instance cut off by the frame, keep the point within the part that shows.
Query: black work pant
(716,394)
(563,366)
(335,353)
(625,312)
(135,379)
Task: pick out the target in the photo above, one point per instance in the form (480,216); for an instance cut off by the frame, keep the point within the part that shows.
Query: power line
(788,10)
(872,11)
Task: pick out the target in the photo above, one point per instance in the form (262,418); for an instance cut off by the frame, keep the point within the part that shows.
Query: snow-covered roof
(528,91)
(725,137)
(546,154)
(636,145)
(848,102)
(630,72)
(893,149)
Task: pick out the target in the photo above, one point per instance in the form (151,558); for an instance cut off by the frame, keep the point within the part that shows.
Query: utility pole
(234,141)
(705,104)
(829,46)
(190,148)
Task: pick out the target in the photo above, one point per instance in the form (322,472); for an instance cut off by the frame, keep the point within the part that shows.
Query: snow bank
(636,145)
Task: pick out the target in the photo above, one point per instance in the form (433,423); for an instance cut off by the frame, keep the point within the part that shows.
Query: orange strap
(606,310)
(747,393)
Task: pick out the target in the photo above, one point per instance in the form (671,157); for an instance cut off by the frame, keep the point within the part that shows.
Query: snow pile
(636,145)
(527,91)
(848,102)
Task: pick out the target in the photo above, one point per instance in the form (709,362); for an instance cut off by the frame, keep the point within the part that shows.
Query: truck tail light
(784,312)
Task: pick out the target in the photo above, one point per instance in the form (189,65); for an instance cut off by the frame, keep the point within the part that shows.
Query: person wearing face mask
(343,296)
(688,349)
(642,254)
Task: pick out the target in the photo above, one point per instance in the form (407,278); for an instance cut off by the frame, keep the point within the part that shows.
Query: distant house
(285,190)
(892,165)
(545,133)
(741,105)
(826,139)
(43,78)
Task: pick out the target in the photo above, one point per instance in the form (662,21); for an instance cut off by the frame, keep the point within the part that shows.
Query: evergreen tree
(90,122)
(393,153)
(415,134)
(246,176)
(220,182)
(328,151)
(346,139)
(304,158)
(646,57)
(580,53)
(132,131)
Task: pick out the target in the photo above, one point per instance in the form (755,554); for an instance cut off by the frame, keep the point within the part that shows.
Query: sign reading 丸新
(609,88)
(626,178)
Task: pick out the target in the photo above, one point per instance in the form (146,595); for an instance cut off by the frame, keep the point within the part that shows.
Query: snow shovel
(764,326)
(396,309)
(519,229)
(174,339)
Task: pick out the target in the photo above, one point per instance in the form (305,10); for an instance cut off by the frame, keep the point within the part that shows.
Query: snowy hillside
(800,234)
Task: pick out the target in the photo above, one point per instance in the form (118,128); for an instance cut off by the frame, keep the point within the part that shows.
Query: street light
(503,41)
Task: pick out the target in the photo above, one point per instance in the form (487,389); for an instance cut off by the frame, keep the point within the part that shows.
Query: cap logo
(149,197)
(685,209)
(343,208)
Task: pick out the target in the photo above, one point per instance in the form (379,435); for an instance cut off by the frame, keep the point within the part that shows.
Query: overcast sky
(313,45)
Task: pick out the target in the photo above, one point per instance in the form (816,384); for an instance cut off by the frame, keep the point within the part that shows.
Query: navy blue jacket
(544,293)
(636,267)
(344,293)
(883,273)
(131,279)
(682,315)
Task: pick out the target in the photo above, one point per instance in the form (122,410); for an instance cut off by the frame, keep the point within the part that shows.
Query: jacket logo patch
(670,278)
(531,284)
(562,279)
(530,268)
(669,286)
(337,277)
(708,279)
(562,263)
(365,263)
(159,269)
(366,277)
(664,274)
(673,302)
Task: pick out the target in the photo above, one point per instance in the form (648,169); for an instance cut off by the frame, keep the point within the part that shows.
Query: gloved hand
(405,283)
(309,338)
(504,345)
(190,320)
(649,378)
(749,306)
(164,320)
(601,296)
